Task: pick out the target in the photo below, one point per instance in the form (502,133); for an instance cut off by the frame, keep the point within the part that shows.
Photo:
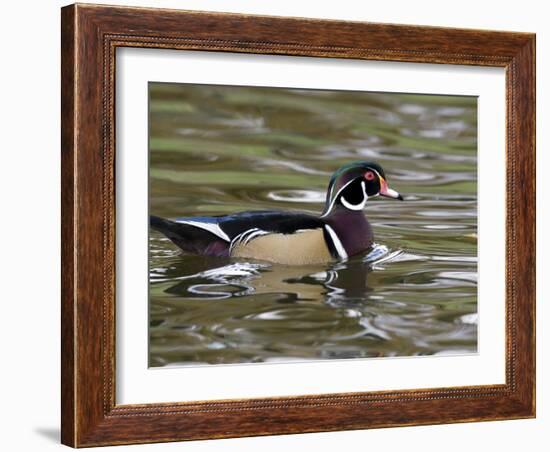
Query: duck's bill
(388,192)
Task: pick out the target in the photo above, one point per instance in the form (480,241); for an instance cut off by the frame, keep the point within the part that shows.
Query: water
(216,150)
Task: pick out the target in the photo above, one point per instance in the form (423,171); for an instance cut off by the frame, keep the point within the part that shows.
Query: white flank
(337,243)
(210,227)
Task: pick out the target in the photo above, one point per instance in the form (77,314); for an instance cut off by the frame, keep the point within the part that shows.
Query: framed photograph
(282,225)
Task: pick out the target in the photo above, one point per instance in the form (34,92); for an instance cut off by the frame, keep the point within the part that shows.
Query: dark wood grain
(90,36)
(68,310)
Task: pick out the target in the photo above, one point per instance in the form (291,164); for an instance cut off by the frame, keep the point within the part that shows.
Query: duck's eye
(369,175)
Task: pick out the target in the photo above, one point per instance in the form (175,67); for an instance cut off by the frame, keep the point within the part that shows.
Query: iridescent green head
(353,184)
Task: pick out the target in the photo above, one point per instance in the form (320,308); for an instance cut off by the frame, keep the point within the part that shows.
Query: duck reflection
(332,284)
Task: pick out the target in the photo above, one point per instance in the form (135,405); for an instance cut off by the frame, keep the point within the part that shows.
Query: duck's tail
(190,238)
(162,225)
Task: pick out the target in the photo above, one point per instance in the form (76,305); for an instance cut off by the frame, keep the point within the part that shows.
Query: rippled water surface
(216,150)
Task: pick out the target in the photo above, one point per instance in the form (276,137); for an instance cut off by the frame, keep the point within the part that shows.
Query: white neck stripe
(337,243)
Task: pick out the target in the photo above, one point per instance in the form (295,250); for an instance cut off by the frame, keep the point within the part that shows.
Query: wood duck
(291,238)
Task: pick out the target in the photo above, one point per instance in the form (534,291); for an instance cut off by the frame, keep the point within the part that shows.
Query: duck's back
(276,221)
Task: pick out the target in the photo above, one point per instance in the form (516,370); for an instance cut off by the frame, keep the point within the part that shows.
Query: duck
(290,237)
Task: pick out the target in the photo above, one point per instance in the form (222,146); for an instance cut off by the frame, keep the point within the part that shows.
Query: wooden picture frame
(90,36)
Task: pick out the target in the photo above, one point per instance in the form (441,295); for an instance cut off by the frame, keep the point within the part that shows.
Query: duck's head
(353,184)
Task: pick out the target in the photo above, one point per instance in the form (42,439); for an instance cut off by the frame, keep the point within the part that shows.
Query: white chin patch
(361,205)
(351,206)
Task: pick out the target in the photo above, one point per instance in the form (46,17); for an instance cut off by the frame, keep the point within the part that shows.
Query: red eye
(369,175)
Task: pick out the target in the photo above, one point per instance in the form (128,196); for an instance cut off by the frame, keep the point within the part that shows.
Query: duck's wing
(271,221)
(217,235)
